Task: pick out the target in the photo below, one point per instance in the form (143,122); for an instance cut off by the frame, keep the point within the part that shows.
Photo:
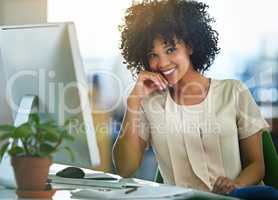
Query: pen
(131,190)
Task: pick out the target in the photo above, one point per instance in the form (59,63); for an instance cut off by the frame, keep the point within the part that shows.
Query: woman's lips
(169,72)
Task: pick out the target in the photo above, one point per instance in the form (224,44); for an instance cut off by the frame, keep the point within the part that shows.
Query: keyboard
(115,184)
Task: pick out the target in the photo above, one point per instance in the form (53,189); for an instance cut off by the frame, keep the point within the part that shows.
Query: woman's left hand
(223,185)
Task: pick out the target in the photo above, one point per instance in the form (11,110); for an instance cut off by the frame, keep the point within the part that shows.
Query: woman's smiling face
(171,61)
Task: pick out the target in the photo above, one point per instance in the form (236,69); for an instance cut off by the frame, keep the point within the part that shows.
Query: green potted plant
(30,146)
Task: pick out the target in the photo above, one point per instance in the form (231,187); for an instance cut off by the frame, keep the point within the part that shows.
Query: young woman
(206,133)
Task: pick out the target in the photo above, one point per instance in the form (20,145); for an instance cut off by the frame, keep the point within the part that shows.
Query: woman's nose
(163,61)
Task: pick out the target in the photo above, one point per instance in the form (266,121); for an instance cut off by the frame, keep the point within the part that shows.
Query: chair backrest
(158,178)
(270,160)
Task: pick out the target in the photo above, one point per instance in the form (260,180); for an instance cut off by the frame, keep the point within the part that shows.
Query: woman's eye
(151,55)
(171,50)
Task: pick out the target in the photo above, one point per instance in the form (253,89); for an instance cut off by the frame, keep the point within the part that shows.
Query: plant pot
(31,173)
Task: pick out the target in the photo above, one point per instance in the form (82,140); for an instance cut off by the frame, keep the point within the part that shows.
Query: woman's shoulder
(228,84)
(228,89)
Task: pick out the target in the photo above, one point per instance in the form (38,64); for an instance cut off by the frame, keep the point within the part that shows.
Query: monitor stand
(27,105)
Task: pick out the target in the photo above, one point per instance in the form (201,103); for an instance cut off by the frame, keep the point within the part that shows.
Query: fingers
(162,82)
(217,185)
(223,185)
(163,79)
(227,186)
(156,78)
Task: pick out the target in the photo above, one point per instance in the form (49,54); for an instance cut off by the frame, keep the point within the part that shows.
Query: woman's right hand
(147,83)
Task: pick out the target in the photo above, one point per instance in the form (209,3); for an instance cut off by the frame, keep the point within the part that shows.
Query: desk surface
(66,195)
(64,190)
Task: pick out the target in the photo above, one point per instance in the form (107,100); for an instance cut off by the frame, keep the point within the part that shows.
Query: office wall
(23,12)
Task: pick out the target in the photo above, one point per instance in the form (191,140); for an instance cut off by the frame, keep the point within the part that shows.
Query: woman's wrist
(238,184)
(134,102)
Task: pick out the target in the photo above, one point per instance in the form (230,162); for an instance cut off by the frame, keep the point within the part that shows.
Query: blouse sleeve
(248,116)
(144,127)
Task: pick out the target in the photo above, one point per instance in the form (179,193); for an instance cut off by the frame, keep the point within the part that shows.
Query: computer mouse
(71,172)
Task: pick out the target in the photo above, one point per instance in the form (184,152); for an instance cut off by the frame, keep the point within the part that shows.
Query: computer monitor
(43,61)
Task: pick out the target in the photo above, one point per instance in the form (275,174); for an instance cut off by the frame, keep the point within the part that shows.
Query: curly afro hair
(188,21)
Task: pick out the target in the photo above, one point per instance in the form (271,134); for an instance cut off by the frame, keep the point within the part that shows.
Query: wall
(23,12)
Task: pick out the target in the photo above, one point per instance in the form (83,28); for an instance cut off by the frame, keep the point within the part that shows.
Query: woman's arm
(252,164)
(252,159)
(129,148)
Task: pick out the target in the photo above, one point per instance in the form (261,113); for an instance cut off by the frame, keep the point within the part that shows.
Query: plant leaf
(3,150)
(46,149)
(34,117)
(5,136)
(67,136)
(16,150)
(50,136)
(23,131)
(39,137)
(52,129)
(6,128)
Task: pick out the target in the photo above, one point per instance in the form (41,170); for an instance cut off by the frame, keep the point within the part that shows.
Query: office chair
(270,159)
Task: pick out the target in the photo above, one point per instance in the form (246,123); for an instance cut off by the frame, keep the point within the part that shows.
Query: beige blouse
(195,144)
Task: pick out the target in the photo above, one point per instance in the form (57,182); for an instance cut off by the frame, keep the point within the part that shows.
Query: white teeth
(169,71)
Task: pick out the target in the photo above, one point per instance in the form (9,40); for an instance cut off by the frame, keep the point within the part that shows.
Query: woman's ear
(190,49)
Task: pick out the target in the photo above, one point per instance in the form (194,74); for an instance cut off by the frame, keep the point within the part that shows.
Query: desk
(64,193)
(7,194)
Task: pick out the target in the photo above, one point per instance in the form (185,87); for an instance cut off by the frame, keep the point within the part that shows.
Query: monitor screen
(44,61)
